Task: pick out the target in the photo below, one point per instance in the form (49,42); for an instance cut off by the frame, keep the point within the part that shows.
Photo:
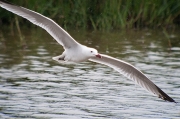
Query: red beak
(99,56)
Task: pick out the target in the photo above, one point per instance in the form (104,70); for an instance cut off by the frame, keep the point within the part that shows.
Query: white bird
(76,52)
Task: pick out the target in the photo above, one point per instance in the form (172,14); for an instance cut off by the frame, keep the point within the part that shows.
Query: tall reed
(103,14)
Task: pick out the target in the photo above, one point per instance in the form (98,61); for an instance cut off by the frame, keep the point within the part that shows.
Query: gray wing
(132,73)
(59,34)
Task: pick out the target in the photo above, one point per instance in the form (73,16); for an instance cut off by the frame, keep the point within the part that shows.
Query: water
(32,85)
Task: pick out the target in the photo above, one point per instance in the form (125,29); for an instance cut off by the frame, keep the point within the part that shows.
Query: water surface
(32,85)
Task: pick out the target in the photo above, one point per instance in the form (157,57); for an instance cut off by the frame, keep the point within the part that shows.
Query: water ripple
(34,86)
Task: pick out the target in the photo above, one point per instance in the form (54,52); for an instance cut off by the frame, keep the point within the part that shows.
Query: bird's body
(75,52)
(83,53)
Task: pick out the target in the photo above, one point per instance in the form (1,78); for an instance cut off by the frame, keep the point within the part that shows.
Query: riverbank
(102,15)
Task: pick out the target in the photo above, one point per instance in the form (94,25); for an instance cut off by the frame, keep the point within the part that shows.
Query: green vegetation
(102,14)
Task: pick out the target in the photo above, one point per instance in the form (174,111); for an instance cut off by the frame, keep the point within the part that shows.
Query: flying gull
(76,52)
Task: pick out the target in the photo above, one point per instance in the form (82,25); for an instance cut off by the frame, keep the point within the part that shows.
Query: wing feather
(132,73)
(59,34)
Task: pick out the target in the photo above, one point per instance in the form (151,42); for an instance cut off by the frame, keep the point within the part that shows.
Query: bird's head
(93,53)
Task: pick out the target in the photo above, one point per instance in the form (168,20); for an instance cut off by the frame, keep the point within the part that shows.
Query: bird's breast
(75,56)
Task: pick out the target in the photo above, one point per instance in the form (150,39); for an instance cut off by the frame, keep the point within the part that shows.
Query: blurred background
(144,33)
(103,14)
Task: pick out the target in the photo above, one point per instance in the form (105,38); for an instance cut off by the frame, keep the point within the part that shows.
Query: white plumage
(75,52)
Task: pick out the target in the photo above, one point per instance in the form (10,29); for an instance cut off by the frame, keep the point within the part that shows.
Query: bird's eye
(91,51)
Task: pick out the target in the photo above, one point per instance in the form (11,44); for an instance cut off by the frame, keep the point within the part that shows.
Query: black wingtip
(164,96)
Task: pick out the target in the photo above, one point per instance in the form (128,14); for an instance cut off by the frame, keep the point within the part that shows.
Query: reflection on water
(32,85)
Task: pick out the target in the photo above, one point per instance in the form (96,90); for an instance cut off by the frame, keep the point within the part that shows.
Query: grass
(102,14)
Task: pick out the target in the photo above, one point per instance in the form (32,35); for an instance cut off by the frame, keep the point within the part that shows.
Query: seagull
(76,52)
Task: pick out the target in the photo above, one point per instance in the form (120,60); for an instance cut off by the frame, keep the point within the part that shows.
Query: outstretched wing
(132,73)
(59,34)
